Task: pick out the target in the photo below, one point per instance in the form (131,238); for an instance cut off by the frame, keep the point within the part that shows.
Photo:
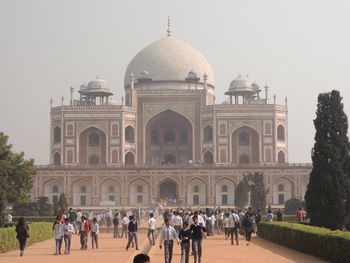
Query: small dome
(144,73)
(255,86)
(97,84)
(192,74)
(240,84)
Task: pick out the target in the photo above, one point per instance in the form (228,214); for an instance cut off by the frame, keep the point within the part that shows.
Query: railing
(175,166)
(250,106)
(91,107)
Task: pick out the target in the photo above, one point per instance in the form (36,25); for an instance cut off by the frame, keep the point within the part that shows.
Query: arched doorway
(208,157)
(168,190)
(168,132)
(245,145)
(129,158)
(110,193)
(92,146)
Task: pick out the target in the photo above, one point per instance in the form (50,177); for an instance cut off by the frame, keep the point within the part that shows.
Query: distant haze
(299,48)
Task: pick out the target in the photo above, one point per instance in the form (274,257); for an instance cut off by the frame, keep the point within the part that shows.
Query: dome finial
(169,27)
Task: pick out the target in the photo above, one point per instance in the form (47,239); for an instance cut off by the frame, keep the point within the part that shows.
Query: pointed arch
(52,189)
(245,145)
(92,146)
(196,192)
(281,156)
(164,129)
(139,192)
(225,191)
(110,192)
(208,157)
(129,158)
(281,132)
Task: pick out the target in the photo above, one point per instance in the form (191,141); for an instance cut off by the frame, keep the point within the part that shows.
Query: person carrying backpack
(248,223)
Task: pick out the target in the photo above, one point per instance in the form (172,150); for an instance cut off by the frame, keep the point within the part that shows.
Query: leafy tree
(242,193)
(327,195)
(292,205)
(15,176)
(258,191)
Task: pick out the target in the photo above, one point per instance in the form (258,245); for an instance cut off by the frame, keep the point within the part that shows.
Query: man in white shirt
(125,223)
(152,224)
(234,224)
(78,219)
(168,234)
(91,215)
(95,230)
(68,231)
(177,222)
(200,219)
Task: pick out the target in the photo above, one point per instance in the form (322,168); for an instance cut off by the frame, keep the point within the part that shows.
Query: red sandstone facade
(169,139)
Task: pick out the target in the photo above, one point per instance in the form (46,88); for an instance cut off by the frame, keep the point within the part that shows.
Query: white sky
(299,48)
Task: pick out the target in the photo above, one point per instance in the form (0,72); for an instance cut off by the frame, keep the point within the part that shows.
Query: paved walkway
(218,250)
(215,250)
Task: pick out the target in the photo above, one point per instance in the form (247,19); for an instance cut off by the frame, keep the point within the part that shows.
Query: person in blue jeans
(185,236)
(167,235)
(132,228)
(197,235)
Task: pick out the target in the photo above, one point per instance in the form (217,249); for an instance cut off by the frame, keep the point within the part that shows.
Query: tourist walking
(167,235)
(125,223)
(247,224)
(95,230)
(132,228)
(177,222)
(185,236)
(116,223)
(68,230)
(84,229)
(227,226)
(151,229)
(197,235)
(234,225)
(22,234)
(59,233)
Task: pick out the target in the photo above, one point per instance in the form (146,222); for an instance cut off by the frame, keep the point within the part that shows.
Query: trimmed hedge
(37,232)
(49,219)
(330,245)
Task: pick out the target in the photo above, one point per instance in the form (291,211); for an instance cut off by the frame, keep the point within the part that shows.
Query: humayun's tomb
(168,138)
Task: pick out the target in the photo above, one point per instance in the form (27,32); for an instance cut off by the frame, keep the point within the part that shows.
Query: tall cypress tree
(242,193)
(327,194)
(258,192)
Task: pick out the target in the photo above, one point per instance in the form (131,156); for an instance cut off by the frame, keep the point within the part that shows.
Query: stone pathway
(215,250)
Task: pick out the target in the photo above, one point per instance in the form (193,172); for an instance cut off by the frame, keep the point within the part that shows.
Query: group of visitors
(187,227)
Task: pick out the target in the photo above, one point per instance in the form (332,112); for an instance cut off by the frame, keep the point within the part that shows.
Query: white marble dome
(240,83)
(169,59)
(97,84)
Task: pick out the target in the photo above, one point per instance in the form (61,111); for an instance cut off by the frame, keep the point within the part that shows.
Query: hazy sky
(299,48)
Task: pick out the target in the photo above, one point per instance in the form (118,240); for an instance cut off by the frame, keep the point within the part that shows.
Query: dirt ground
(215,249)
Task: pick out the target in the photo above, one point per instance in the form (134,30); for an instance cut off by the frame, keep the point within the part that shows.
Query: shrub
(37,232)
(28,219)
(330,245)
